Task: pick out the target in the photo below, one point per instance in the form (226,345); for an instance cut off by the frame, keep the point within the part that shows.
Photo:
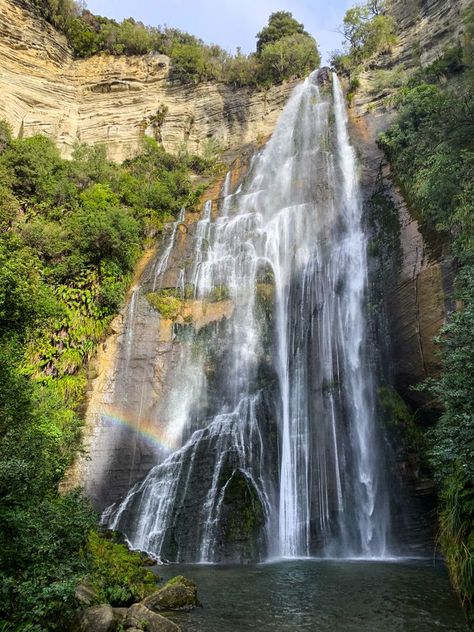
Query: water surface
(321,596)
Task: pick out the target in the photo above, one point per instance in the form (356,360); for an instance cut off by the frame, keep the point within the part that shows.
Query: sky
(231,23)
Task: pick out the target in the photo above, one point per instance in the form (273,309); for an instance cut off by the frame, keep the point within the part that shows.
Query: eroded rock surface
(112,100)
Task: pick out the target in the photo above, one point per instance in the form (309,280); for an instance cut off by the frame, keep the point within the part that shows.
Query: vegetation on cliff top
(70,233)
(284,49)
(368,29)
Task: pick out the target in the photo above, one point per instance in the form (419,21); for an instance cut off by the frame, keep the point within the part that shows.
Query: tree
(280,24)
(101,229)
(368,30)
(293,55)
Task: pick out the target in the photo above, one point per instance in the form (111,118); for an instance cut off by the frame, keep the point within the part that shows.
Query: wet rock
(147,560)
(139,617)
(98,619)
(242,520)
(324,76)
(178,593)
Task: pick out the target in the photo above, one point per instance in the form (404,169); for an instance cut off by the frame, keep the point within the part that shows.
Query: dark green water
(322,596)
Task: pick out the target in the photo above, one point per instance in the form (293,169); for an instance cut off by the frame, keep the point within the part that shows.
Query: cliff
(112,100)
(418,290)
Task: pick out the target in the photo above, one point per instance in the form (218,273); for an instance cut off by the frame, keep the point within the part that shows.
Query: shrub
(117,575)
(166,303)
(290,56)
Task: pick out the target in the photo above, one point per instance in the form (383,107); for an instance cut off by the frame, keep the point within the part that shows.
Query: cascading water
(283,459)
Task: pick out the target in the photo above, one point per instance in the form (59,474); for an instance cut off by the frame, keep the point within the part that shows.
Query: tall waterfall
(280,454)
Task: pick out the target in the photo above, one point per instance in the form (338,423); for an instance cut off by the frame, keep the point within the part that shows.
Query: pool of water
(321,596)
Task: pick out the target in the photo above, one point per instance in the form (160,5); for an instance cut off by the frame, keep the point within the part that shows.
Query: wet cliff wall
(112,100)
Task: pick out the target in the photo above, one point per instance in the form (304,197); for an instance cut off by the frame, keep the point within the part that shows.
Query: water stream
(280,455)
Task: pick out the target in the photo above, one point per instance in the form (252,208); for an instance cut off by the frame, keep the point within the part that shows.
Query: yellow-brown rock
(110,100)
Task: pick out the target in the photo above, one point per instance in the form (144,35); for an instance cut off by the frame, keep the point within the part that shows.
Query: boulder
(139,617)
(97,619)
(178,593)
(85,594)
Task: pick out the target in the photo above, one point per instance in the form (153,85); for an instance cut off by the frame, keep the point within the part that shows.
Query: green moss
(166,302)
(398,415)
(219,293)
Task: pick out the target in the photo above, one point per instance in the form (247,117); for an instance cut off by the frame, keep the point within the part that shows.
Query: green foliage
(117,575)
(102,229)
(368,30)
(40,541)
(400,417)
(166,302)
(192,61)
(70,232)
(289,56)
(280,24)
(389,79)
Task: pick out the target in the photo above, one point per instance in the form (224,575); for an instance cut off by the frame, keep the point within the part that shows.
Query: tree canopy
(280,24)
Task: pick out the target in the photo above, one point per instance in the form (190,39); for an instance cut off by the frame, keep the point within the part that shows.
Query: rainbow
(146,428)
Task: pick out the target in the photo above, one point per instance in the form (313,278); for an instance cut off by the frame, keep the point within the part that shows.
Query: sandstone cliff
(112,100)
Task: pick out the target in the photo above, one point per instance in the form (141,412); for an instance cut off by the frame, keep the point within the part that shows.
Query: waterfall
(284,457)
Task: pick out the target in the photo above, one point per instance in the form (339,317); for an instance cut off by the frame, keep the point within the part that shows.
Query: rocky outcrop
(113,100)
(425,28)
(97,619)
(179,593)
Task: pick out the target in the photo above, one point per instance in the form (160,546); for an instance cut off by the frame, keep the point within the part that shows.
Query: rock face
(418,292)
(123,437)
(411,276)
(112,100)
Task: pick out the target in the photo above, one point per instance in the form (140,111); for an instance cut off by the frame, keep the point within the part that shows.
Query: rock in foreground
(139,617)
(178,593)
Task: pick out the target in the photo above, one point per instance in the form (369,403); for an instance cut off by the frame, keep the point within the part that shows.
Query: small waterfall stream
(283,458)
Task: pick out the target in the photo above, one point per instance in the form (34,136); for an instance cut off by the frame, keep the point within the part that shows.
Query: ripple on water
(322,596)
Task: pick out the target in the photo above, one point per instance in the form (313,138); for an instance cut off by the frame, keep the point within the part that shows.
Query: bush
(40,542)
(101,229)
(290,56)
(117,575)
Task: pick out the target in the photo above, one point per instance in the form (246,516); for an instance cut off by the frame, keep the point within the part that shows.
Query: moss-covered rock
(165,302)
(242,519)
(97,619)
(178,593)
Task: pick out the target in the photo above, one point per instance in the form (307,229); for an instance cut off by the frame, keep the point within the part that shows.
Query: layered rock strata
(113,101)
